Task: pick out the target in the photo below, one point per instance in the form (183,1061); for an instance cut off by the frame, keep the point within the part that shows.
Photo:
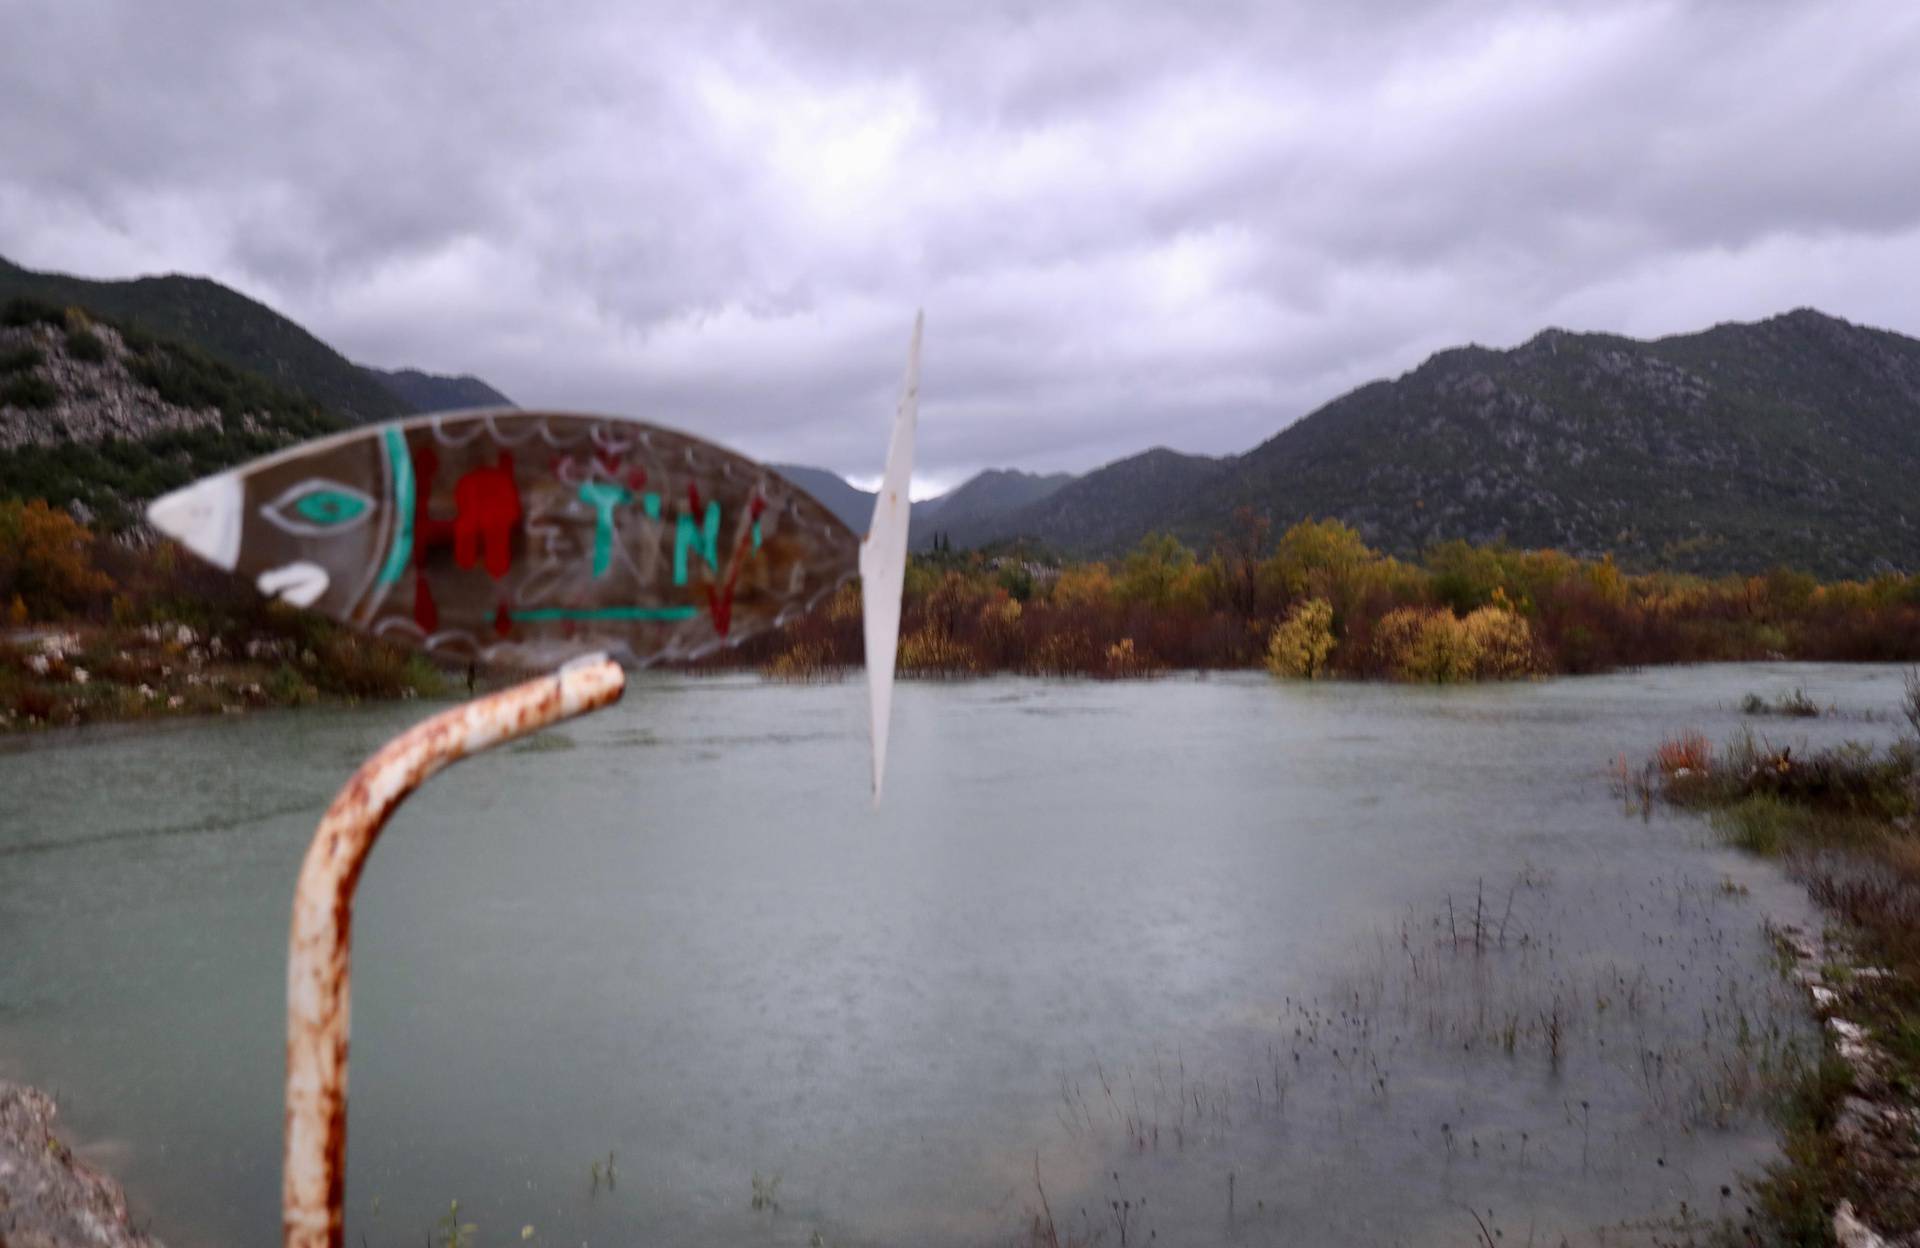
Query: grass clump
(1795,705)
(1763,824)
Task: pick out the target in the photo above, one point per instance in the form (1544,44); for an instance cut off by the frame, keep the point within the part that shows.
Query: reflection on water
(1212,960)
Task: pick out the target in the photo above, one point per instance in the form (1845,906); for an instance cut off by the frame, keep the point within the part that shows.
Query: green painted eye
(318,507)
(330,507)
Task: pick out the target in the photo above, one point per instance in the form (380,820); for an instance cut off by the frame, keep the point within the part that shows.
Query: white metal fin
(883,562)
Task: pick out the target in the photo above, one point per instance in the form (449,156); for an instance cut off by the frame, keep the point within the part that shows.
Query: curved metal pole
(318,966)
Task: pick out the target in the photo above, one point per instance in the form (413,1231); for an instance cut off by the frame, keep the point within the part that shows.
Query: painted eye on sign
(319,507)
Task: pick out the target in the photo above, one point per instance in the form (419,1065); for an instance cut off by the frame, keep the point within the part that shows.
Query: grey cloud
(1129,225)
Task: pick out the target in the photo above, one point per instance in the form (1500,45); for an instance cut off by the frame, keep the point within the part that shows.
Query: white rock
(1850,1232)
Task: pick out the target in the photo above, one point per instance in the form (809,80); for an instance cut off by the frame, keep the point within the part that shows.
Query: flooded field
(1193,961)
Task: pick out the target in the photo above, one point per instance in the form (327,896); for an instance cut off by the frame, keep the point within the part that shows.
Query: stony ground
(48,1197)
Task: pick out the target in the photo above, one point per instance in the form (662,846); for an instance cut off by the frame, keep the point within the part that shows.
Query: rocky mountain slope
(105,416)
(1792,440)
(248,335)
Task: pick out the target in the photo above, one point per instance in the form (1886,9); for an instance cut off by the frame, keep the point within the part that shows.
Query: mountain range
(1789,440)
(975,504)
(248,335)
(1792,440)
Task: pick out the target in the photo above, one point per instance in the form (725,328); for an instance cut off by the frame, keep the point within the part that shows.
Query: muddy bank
(49,1198)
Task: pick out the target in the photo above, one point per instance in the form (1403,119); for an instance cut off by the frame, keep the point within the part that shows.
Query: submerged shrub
(1300,644)
(1690,751)
(1501,642)
(1066,652)
(932,651)
(1428,644)
(1124,660)
(1424,644)
(805,660)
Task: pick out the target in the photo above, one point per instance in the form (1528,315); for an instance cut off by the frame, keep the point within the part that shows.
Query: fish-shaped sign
(522,538)
(525,538)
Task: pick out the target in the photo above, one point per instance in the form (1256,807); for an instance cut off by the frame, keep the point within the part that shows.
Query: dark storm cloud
(1138,225)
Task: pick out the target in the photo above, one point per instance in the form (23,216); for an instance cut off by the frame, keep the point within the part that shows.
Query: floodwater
(1188,961)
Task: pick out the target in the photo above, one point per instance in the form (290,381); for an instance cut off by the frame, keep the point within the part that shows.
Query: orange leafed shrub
(1690,751)
(46,561)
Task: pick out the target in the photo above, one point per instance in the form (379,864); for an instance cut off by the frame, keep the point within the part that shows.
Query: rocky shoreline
(49,1198)
(1877,1128)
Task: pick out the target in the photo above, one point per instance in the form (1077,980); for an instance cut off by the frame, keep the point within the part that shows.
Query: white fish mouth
(204,517)
(300,583)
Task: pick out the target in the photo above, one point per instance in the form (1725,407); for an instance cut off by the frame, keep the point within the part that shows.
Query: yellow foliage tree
(1300,644)
(1089,585)
(1502,644)
(1435,646)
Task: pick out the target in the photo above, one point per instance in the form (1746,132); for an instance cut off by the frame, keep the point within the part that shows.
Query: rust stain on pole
(318,963)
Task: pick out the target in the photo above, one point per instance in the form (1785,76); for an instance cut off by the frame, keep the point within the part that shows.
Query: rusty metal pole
(318,965)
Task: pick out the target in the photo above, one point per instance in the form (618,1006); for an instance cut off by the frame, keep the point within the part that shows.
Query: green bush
(22,310)
(85,345)
(28,390)
(21,359)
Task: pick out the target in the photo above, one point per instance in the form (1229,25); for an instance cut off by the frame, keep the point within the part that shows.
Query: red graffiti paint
(486,511)
(636,478)
(502,621)
(426,613)
(693,497)
(487,507)
(720,602)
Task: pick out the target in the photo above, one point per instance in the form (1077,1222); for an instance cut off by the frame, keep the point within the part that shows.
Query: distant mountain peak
(434,392)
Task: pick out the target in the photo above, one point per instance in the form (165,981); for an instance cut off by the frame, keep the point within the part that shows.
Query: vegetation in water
(451,1232)
(1846,821)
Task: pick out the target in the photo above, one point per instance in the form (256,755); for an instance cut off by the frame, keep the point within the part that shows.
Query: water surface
(1163,946)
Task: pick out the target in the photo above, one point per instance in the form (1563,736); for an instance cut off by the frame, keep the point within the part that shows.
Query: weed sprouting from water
(599,1173)
(451,1232)
(1794,705)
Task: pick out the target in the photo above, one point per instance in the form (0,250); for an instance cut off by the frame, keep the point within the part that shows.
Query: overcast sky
(1129,225)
